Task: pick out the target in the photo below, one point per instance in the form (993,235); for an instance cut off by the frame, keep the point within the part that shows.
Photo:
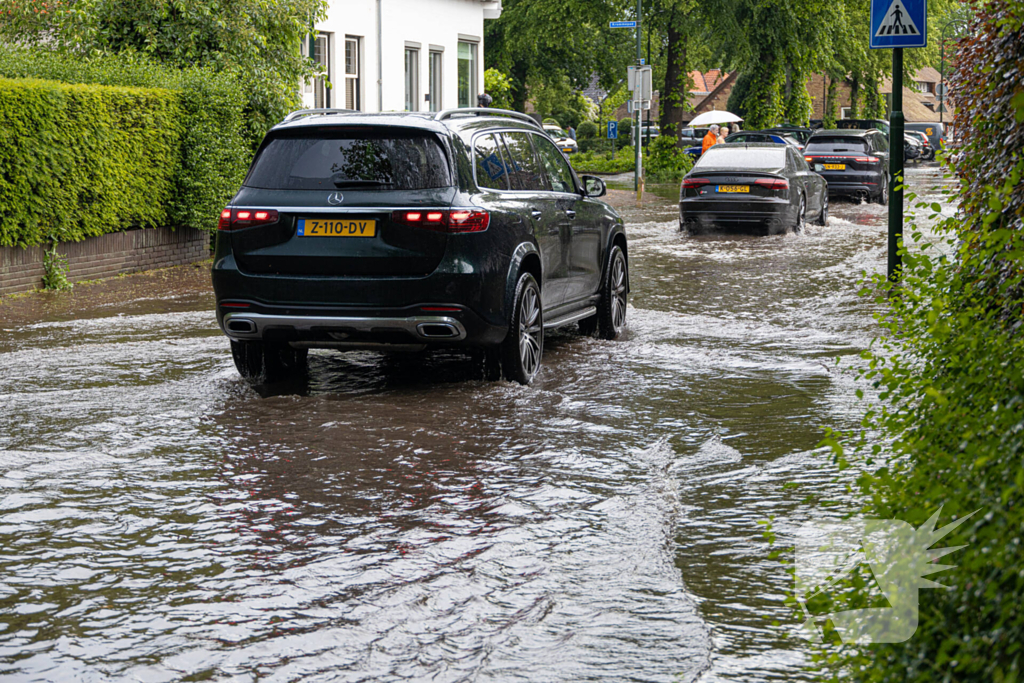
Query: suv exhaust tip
(437,330)
(241,325)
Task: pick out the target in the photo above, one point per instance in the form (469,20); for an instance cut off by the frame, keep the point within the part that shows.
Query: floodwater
(401,519)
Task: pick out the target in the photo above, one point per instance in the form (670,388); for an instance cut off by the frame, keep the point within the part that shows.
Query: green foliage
(55,270)
(665,162)
(620,161)
(832,110)
(587,130)
(737,103)
(211,154)
(950,371)
(497,85)
(256,40)
(558,99)
(625,127)
(84,160)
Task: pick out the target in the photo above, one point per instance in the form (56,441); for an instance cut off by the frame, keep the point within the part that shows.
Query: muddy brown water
(401,519)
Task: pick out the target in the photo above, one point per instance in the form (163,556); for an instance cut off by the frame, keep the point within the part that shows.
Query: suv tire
(611,310)
(523,347)
(264,362)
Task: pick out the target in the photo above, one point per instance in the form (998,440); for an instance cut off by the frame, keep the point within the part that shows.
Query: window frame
(543,170)
(355,76)
(473,84)
(572,173)
(412,78)
(435,79)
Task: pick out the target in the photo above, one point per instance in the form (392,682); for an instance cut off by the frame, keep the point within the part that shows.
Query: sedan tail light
(695,182)
(453,220)
(236,219)
(773,183)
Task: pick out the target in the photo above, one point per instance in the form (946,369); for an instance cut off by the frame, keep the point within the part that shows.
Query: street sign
(899,23)
(622,24)
(613,130)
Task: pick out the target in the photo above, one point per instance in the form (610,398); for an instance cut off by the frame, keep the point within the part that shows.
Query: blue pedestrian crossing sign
(899,23)
(613,130)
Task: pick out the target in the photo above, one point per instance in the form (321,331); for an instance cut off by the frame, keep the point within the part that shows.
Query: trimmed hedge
(201,115)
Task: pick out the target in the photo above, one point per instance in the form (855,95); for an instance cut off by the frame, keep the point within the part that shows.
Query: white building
(395,55)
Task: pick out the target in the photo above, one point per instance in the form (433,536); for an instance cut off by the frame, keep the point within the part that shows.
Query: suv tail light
(867,160)
(692,183)
(236,219)
(773,183)
(453,220)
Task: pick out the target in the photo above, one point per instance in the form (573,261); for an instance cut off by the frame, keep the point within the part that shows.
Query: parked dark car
(928,152)
(410,231)
(749,136)
(913,148)
(853,162)
(760,187)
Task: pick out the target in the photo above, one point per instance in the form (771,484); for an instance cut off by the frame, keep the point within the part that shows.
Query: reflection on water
(399,518)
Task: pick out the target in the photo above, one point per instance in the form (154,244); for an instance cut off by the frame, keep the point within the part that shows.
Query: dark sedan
(763,188)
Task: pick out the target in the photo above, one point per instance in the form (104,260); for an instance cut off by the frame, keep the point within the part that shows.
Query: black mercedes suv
(852,162)
(406,231)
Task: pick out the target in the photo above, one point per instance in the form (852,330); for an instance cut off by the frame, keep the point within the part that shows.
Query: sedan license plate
(733,188)
(835,167)
(317,227)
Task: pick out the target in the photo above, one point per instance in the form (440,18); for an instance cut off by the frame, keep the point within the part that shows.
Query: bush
(592,162)
(212,155)
(951,374)
(665,162)
(84,160)
(587,130)
(625,128)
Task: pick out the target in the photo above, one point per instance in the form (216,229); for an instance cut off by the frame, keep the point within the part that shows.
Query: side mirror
(594,186)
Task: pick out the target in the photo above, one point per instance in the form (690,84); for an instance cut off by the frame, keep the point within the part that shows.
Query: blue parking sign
(613,130)
(899,23)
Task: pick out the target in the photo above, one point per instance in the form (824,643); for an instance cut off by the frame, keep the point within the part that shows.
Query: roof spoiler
(316,112)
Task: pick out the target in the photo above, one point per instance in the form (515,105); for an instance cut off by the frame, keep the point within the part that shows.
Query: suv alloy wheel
(523,347)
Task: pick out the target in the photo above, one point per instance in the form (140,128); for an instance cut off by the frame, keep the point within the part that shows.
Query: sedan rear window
(837,144)
(743,158)
(328,159)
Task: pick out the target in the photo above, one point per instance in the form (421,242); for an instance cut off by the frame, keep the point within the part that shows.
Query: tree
(258,40)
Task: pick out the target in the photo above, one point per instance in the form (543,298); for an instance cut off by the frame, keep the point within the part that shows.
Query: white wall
(427,22)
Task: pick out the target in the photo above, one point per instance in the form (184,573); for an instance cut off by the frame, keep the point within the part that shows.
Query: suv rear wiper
(361,183)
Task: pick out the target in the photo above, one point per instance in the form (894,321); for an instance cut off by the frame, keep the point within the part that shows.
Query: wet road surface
(400,518)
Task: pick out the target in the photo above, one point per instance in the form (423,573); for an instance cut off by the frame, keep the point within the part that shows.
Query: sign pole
(896,128)
(638,87)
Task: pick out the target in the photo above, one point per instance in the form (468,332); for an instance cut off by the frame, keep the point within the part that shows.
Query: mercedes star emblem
(335,198)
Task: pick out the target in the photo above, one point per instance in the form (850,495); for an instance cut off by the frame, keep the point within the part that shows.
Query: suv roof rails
(486,111)
(316,112)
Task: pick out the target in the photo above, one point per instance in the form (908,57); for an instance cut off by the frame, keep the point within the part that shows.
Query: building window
(412,79)
(436,61)
(352,73)
(845,112)
(467,74)
(322,56)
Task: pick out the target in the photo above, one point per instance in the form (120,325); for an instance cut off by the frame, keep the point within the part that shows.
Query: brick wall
(21,270)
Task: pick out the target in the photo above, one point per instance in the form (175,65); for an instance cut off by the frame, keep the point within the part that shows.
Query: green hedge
(209,160)
(83,160)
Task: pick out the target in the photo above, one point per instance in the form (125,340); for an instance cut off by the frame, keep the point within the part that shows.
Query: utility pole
(896,128)
(638,86)
(652,94)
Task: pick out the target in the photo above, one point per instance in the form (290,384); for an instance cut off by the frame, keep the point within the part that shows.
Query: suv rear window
(328,159)
(836,144)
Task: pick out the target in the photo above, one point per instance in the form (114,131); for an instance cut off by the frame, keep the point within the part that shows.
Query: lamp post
(961,24)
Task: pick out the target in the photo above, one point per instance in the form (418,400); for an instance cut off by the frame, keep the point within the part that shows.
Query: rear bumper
(696,213)
(870,188)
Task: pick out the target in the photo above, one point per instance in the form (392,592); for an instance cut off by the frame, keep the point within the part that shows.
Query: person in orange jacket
(711,138)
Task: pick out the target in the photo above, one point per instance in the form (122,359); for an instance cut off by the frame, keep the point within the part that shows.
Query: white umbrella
(709,117)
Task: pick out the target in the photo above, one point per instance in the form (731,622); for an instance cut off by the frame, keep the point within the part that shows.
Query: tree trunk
(673,98)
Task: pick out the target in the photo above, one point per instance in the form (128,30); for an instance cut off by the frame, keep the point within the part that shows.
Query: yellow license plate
(358,227)
(734,188)
(835,167)
(567,149)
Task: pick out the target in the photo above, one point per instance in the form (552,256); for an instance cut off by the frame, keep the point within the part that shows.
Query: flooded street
(402,519)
